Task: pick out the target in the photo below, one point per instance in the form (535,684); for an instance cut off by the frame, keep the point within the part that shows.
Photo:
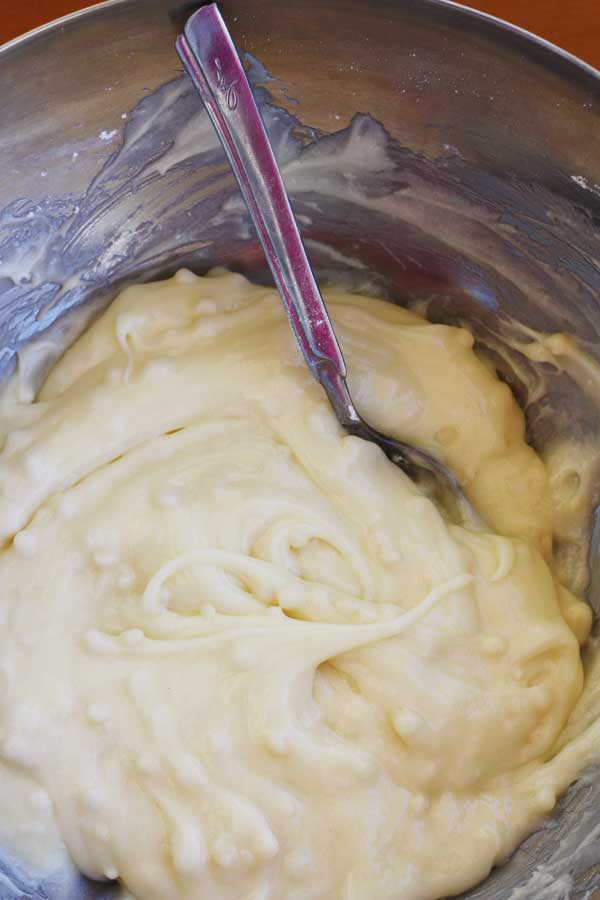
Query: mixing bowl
(434,156)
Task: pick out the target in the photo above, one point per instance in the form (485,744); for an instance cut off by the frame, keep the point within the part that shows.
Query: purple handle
(209,55)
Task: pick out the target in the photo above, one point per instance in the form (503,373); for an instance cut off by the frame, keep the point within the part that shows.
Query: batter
(242,656)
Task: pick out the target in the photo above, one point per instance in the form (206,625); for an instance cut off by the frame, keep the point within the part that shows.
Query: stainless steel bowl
(487,207)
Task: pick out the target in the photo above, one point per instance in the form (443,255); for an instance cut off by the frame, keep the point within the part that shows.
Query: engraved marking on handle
(231,96)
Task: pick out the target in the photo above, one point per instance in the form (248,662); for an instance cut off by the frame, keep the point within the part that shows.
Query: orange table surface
(572,24)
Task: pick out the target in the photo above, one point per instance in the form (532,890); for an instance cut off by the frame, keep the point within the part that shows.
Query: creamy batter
(242,655)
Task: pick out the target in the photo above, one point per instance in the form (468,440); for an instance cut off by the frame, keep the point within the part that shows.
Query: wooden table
(572,24)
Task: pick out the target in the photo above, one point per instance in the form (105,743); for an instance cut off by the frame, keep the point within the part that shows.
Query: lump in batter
(242,655)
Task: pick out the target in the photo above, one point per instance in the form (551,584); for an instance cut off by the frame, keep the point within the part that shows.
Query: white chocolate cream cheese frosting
(242,656)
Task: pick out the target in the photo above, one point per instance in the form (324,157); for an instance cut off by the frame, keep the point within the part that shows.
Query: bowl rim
(477,16)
